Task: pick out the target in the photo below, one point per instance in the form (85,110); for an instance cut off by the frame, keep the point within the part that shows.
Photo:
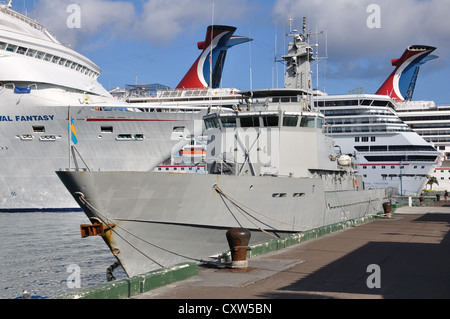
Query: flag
(73,132)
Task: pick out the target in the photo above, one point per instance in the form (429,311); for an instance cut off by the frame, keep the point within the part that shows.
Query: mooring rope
(83,199)
(236,202)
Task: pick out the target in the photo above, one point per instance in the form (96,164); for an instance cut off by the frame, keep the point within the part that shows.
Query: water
(38,249)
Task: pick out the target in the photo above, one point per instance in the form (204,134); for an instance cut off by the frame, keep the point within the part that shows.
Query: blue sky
(155,41)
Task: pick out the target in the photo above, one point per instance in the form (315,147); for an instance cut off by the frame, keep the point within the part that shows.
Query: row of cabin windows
(354,102)
(47,57)
(395,148)
(365,138)
(264,121)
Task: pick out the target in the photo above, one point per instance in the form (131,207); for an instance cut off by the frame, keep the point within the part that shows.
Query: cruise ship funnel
(401,83)
(207,69)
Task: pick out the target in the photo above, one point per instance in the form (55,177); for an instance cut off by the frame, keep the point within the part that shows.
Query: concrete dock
(406,256)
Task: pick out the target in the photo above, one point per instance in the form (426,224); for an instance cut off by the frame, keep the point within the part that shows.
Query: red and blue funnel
(218,40)
(400,84)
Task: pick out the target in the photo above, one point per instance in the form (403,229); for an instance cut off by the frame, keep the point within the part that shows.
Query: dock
(405,256)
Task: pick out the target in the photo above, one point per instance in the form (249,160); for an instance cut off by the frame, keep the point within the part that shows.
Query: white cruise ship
(43,84)
(430,121)
(388,152)
(433,124)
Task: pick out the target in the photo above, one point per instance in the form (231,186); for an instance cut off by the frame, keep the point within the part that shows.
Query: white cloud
(97,17)
(159,21)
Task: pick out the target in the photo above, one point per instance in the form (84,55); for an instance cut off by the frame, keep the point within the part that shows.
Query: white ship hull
(161,219)
(34,143)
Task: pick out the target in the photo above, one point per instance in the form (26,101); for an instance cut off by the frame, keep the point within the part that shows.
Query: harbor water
(44,254)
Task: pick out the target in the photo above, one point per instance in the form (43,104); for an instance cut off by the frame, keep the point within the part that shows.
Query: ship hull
(34,143)
(160,219)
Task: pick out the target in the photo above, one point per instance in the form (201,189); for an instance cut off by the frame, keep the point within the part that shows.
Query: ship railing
(32,23)
(163,109)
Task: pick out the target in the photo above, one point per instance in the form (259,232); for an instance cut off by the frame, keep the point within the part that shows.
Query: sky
(155,41)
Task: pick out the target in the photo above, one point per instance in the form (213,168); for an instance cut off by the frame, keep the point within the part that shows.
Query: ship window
(364,139)
(139,137)
(106,129)
(47,57)
(21,50)
(11,48)
(228,121)
(250,121)
(319,122)
(68,63)
(31,53)
(55,59)
(378,148)
(290,120)
(62,62)
(298,195)
(40,55)
(38,129)
(307,121)
(357,139)
(271,120)
(2,45)
(124,137)
(212,123)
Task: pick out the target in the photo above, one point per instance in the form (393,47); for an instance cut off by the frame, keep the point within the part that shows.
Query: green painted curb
(129,287)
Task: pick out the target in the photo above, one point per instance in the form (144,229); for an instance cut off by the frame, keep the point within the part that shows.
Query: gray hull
(162,219)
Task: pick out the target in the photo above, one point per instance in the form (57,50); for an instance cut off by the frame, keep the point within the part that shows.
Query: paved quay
(406,256)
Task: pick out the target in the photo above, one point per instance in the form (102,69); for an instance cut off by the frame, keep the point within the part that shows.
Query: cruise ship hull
(160,219)
(34,142)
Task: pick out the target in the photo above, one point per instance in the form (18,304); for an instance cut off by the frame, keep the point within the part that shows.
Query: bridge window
(290,120)
(250,121)
(271,120)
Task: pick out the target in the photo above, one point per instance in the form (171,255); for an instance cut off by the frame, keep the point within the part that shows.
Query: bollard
(238,239)
(387,208)
(422,200)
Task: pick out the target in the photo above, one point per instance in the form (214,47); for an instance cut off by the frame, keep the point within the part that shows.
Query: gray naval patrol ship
(270,169)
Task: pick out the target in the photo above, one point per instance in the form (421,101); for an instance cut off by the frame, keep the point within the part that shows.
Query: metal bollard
(238,239)
(387,208)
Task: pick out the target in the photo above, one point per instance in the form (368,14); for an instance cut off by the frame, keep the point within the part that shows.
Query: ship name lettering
(27,118)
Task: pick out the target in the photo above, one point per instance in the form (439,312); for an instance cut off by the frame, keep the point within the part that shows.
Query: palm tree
(432,180)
